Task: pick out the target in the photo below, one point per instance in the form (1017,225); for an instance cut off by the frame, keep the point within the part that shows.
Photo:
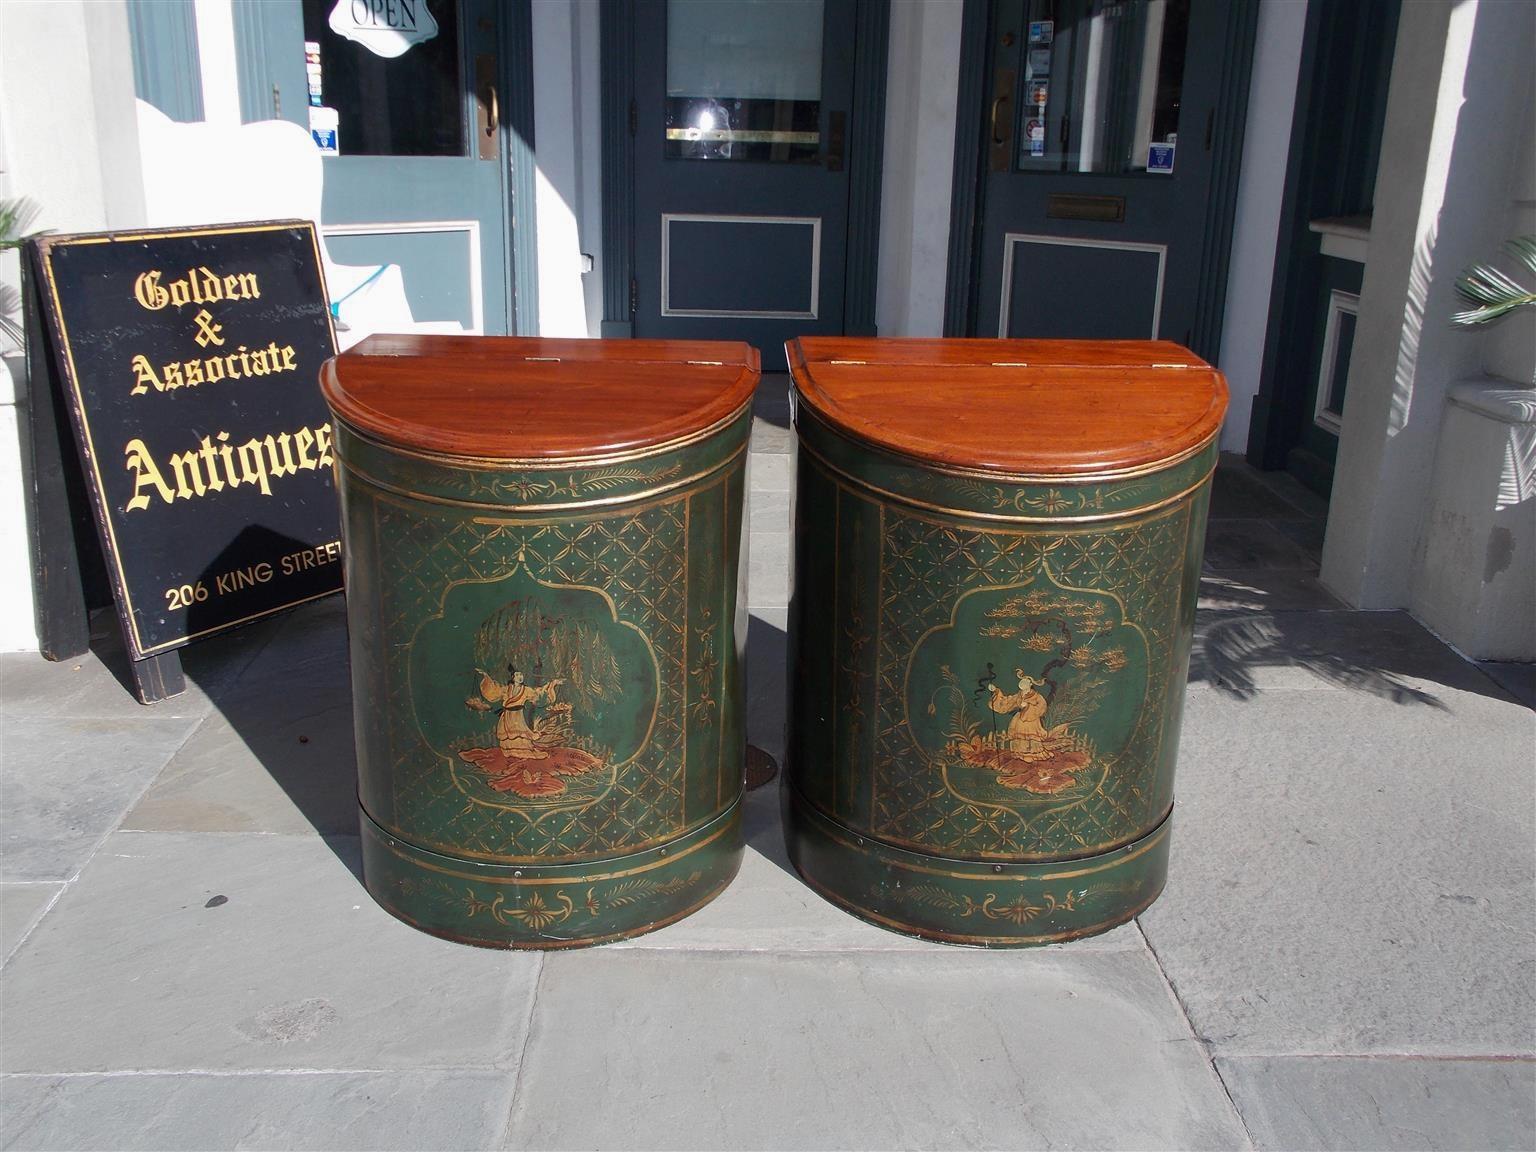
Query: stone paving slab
(1265,590)
(769,472)
(882,1050)
(766,678)
(1387,654)
(66,783)
(768,511)
(1241,492)
(276,756)
(1243,544)
(771,436)
(768,570)
(1353,874)
(20,907)
(1519,680)
(436,1109)
(96,683)
(185,951)
(1345,1103)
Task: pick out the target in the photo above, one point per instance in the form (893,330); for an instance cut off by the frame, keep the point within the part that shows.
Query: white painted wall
(217,62)
(565,93)
(1256,227)
(921,79)
(70,141)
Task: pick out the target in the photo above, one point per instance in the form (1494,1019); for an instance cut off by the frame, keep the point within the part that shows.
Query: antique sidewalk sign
(188,362)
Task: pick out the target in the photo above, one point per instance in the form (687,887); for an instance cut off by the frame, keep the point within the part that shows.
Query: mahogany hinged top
(1024,407)
(522,398)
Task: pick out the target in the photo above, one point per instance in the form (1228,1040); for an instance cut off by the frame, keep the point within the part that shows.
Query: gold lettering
(184,465)
(253,469)
(283,465)
(211,465)
(304,440)
(145,473)
(214,464)
(143,374)
(194,371)
(227,455)
(149,294)
(200,285)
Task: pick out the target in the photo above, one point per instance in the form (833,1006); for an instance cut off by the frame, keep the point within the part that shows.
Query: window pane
(406,105)
(744,79)
(1101,85)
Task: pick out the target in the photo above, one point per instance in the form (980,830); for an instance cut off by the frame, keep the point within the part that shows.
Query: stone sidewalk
(1345,956)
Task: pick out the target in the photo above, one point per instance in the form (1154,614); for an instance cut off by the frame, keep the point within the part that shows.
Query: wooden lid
(521,398)
(1022,407)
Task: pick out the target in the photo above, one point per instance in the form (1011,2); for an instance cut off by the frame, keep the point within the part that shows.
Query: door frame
(866,150)
(968,190)
(261,27)
(1328,173)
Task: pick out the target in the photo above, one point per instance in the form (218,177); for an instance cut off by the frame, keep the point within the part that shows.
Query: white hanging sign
(387,28)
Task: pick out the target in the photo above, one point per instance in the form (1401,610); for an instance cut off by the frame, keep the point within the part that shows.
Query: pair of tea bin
(996,557)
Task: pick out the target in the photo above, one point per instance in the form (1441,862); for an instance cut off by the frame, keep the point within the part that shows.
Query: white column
(1458,97)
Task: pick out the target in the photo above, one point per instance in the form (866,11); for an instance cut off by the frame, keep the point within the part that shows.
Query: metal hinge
(634,297)
(634,118)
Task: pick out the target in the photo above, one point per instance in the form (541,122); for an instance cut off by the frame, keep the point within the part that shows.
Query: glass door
(403,101)
(741,181)
(1099,157)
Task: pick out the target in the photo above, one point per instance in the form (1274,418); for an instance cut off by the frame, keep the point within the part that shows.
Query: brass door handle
(487,108)
(997,105)
(493,109)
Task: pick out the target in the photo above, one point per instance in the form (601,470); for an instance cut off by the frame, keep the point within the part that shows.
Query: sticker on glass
(387,28)
(323,123)
(1042,31)
(1160,158)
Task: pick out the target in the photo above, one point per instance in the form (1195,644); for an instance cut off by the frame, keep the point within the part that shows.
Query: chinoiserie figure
(513,733)
(1026,734)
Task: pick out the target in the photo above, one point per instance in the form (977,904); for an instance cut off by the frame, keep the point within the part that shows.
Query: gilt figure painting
(1023,697)
(534,694)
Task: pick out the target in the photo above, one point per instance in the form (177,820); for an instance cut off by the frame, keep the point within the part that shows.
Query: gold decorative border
(661,861)
(1139,848)
(851,481)
(352,470)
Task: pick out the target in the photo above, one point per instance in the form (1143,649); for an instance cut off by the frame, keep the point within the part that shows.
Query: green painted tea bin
(997,549)
(545,595)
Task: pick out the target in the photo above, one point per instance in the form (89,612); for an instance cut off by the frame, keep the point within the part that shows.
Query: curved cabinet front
(987,677)
(547,678)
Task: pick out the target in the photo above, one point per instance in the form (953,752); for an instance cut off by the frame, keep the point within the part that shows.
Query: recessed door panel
(1066,289)
(702,258)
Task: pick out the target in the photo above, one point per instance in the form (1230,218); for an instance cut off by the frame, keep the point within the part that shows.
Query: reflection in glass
(744,79)
(1101,84)
(407,105)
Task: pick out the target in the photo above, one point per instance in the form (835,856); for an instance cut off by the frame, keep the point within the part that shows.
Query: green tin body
(548,686)
(987,678)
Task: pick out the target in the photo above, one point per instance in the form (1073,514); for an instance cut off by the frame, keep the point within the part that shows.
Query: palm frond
(1491,291)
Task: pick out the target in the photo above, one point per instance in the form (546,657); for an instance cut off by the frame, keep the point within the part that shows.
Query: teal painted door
(1098,167)
(406,103)
(742,122)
